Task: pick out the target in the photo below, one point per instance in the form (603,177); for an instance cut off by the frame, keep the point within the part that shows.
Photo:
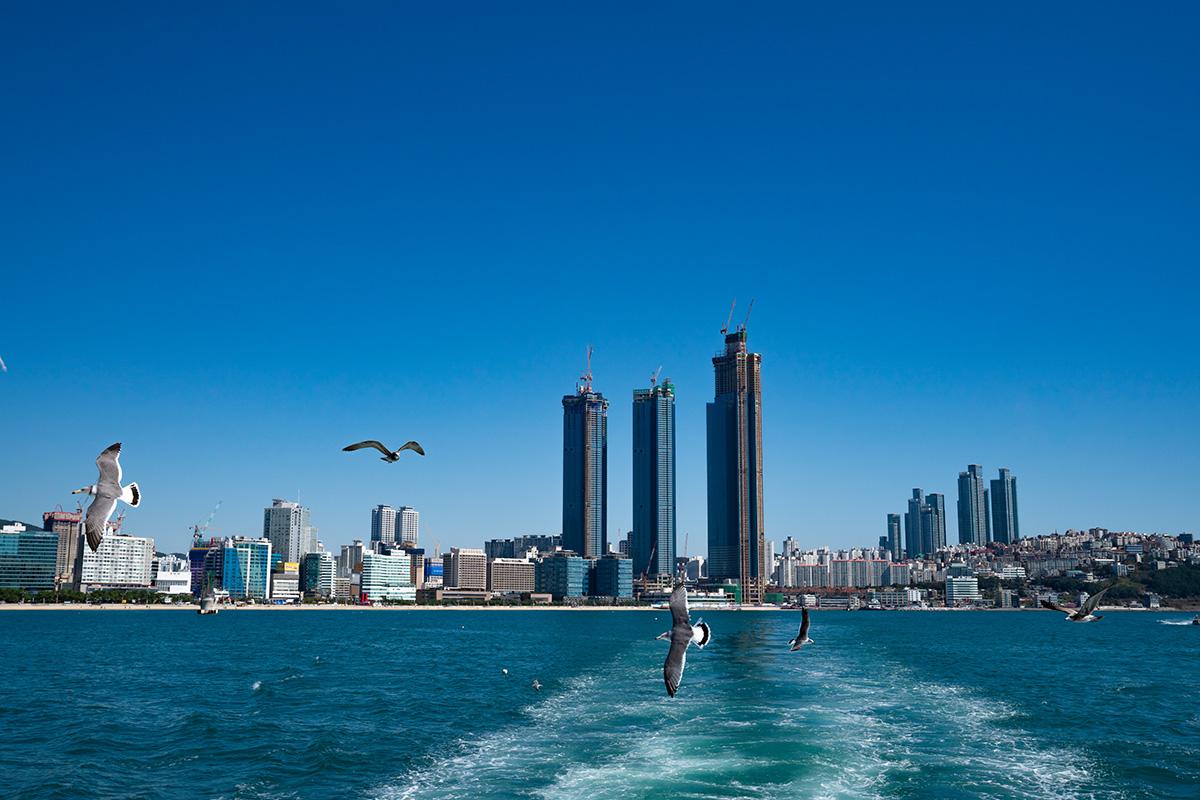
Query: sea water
(414,704)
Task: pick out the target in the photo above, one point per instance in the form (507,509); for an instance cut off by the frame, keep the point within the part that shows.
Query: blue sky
(237,239)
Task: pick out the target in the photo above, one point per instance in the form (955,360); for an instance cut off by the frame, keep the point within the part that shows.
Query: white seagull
(801,637)
(537,687)
(1084,614)
(107,491)
(390,456)
(682,634)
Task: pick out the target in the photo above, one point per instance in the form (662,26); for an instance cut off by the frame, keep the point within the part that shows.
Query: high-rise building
(28,558)
(387,577)
(1005,527)
(518,546)
(612,576)
(68,526)
(894,541)
(291,533)
(585,470)
(735,473)
(562,574)
(121,562)
(652,540)
(510,576)
(408,525)
(317,572)
(246,570)
(974,525)
(383,524)
(924,524)
(464,568)
(350,559)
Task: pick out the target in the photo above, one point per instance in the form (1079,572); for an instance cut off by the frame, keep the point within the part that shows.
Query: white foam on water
(256,686)
(1175,622)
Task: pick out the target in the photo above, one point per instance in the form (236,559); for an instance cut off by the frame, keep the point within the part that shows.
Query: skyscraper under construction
(735,469)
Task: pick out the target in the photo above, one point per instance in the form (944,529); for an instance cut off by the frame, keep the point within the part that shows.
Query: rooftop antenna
(729,319)
(586,377)
(654,377)
(742,327)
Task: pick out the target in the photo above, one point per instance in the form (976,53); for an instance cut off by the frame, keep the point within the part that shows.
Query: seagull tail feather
(132,495)
(701,633)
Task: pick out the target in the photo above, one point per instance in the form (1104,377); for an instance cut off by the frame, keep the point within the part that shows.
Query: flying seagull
(1084,614)
(801,637)
(682,634)
(107,491)
(537,687)
(390,456)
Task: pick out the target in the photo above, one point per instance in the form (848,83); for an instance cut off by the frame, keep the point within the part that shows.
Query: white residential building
(122,562)
(962,589)
(174,576)
(386,578)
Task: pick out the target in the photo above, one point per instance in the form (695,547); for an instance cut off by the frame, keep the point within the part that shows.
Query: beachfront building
(562,574)
(28,558)
(246,568)
(510,576)
(962,590)
(285,582)
(386,577)
(317,572)
(68,526)
(287,526)
(612,576)
(172,575)
(121,562)
(652,541)
(464,568)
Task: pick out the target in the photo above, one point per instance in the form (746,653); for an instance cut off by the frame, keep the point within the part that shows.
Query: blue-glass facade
(562,574)
(736,540)
(652,540)
(28,560)
(247,568)
(612,576)
(1005,527)
(585,473)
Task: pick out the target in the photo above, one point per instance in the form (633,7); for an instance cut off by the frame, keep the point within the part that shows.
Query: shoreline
(192,607)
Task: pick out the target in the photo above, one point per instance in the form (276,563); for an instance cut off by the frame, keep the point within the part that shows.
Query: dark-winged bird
(682,634)
(106,492)
(390,456)
(801,637)
(1084,613)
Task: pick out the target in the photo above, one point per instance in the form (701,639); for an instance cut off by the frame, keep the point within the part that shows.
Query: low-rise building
(562,574)
(173,575)
(28,558)
(317,574)
(962,589)
(510,576)
(612,576)
(285,582)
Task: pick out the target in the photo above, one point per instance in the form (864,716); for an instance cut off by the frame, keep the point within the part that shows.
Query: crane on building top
(742,327)
(729,319)
(586,377)
(199,530)
(654,377)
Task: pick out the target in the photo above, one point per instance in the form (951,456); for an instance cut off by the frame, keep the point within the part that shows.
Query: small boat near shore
(208,605)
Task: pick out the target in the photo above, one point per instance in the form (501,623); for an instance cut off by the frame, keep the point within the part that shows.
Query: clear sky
(237,239)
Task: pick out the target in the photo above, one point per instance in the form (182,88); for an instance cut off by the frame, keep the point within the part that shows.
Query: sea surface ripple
(413,704)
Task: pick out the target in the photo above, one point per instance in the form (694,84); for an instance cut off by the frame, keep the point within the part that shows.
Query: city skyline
(796,158)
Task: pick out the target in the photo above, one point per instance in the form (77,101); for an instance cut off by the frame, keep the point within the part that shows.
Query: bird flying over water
(801,637)
(682,634)
(537,687)
(390,456)
(1084,613)
(106,492)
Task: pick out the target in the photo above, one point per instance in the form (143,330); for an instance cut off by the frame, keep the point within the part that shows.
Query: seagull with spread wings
(1084,613)
(390,456)
(801,637)
(105,493)
(682,634)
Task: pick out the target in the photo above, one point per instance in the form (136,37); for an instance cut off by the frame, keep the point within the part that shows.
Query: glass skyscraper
(27,558)
(383,524)
(585,471)
(924,524)
(736,545)
(288,527)
(1005,527)
(652,540)
(974,526)
(246,570)
(893,538)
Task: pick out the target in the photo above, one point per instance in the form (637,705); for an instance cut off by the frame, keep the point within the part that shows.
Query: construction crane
(729,319)
(199,530)
(115,525)
(654,377)
(742,327)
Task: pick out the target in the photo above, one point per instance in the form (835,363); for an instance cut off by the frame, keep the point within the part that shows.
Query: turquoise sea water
(412,704)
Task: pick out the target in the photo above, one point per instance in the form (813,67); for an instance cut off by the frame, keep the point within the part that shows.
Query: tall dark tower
(585,469)
(652,540)
(735,469)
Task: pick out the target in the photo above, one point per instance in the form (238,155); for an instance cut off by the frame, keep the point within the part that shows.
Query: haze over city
(415,230)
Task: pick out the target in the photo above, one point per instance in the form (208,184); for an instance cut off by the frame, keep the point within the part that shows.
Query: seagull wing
(368,443)
(679,606)
(676,658)
(414,446)
(1093,602)
(803,634)
(98,514)
(110,470)
(1055,607)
